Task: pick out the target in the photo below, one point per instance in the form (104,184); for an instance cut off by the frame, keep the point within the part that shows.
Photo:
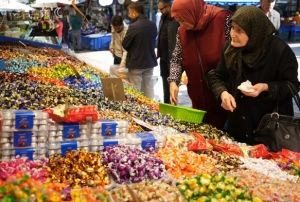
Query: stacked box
(66,137)
(107,133)
(24,133)
(89,137)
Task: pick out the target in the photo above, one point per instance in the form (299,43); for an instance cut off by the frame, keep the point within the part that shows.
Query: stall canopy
(54,3)
(12,5)
(231,2)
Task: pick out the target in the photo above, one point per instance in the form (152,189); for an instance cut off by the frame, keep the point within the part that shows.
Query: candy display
(225,162)
(24,133)
(148,191)
(86,194)
(61,139)
(127,164)
(23,188)
(214,188)
(35,169)
(268,168)
(78,168)
(182,163)
(266,188)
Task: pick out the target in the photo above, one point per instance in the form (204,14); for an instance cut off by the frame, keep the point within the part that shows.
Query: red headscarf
(195,12)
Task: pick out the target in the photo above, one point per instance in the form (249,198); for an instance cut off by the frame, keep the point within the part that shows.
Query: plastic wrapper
(226,148)
(79,114)
(200,143)
(259,151)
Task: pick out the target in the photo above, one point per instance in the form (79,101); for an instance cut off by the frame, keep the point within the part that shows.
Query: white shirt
(116,44)
(274,17)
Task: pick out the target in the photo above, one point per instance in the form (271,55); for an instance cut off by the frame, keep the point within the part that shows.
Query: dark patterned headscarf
(259,29)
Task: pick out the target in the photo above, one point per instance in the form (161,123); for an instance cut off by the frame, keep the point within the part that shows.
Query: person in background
(59,29)
(166,42)
(66,27)
(262,58)
(76,24)
(199,42)
(268,8)
(139,43)
(117,35)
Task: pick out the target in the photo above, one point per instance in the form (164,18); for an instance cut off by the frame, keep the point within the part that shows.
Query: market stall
(63,140)
(96,41)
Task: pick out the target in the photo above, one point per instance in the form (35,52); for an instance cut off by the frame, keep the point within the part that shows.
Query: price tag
(113,89)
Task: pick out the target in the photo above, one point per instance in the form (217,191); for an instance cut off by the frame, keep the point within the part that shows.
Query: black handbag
(280,131)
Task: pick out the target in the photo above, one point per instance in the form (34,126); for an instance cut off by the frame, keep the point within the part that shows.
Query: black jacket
(166,42)
(277,67)
(139,42)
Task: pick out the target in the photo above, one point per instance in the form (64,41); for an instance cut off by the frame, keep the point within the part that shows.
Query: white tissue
(246,86)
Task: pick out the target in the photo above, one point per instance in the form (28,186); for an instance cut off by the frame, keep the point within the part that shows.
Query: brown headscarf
(259,30)
(195,12)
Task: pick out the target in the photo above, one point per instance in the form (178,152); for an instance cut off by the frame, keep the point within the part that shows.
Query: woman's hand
(228,101)
(257,89)
(173,92)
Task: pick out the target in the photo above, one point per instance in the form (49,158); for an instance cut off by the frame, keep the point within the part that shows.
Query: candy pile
(268,168)
(266,188)
(225,162)
(214,188)
(78,168)
(148,191)
(181,163)
(24,188)
(128,164)
(37,170)
(87,194)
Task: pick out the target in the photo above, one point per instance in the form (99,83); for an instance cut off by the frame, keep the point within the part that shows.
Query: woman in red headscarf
(200,38)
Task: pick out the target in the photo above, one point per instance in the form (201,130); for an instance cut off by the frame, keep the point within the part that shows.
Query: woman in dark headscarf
(255,54)
(201,36)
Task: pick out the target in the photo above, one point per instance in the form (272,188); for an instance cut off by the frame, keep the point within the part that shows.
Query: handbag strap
(294,93)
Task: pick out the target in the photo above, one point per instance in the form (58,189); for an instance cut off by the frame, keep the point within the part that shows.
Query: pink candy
(36,169)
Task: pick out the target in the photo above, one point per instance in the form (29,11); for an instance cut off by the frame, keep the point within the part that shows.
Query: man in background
(166,43)
(117,35)
(139,43)
(268,8)
(76,24)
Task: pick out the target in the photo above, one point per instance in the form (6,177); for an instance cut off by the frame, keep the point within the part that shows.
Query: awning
(12,5)
(231,2)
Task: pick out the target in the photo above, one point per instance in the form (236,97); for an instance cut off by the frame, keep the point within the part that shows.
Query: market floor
(103,60)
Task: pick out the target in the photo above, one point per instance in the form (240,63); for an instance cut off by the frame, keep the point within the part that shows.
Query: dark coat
(277,67)
(139,42)
(166,43)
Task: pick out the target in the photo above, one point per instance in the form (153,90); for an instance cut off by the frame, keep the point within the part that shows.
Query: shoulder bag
(280,131)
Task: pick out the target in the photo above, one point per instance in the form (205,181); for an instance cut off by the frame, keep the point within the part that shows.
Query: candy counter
(62,140)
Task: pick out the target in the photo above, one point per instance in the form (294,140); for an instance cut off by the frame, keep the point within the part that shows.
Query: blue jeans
(142,79)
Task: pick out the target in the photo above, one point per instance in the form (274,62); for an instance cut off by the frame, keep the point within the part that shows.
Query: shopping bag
(118,72)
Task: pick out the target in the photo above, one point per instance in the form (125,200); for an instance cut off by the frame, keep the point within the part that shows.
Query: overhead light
(105,2)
